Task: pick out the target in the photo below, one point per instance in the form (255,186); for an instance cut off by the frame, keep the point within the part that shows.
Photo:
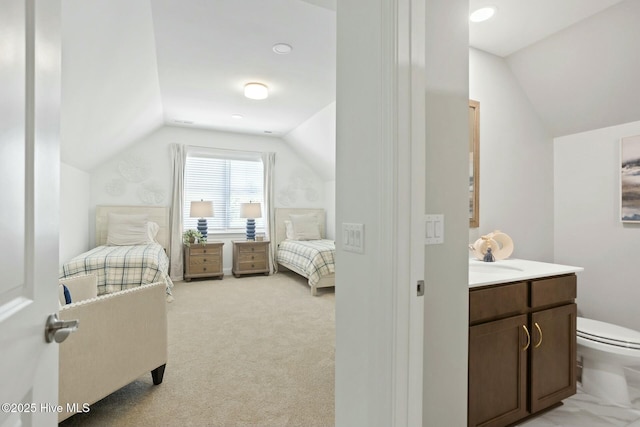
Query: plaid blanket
(121,267)
(311,258)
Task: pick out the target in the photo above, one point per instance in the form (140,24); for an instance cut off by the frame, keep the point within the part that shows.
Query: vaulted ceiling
(130,67)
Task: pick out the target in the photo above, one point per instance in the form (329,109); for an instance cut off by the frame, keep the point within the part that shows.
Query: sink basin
(491,267)
(512,270)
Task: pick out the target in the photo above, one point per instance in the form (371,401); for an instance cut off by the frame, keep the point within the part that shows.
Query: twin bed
(130,249)
(121,261)
(303,250)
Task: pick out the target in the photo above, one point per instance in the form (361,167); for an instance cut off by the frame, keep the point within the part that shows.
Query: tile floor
(583,410)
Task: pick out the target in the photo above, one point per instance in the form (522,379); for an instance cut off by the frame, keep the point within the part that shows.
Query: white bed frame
(159,214)
(282,214)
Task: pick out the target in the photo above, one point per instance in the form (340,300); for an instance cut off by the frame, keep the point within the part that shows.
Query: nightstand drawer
(211,267)
(252,266)
(249,248)
(204,260)
(201,250)
(259,257)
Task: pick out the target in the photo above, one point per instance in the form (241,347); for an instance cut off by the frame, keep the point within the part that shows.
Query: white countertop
(512,270)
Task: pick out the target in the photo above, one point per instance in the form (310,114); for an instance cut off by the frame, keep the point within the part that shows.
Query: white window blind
(226,181)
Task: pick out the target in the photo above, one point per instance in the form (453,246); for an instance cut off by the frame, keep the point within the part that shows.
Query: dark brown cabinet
(553,356)
(522,349)
(497,372)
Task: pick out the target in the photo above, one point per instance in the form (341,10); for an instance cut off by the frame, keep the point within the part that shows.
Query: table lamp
(202,210)
(251,211)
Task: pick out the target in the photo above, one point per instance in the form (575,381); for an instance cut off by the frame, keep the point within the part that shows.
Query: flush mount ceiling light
(236,116)
(282,48)
(256,91)
(482,14)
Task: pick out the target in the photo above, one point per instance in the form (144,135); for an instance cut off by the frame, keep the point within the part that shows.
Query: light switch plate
(353,237)
(434,229)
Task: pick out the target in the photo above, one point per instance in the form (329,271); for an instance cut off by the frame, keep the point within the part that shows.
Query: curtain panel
(269,161)
(178,160)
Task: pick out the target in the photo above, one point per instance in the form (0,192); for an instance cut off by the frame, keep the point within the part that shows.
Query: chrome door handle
(58,330)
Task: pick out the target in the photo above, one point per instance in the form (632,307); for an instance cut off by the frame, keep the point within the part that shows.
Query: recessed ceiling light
(256,91)
(282,48)
(236,116)
(482,14)
(268,131)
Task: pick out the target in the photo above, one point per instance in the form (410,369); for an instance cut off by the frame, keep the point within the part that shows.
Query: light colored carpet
(252,351)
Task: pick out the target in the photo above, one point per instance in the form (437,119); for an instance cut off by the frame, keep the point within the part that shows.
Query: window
(227,179)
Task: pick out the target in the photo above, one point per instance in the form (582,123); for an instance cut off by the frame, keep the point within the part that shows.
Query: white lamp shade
(201,209)
(250,210)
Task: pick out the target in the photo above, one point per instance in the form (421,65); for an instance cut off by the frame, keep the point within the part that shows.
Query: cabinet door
(553,356)
(498,372)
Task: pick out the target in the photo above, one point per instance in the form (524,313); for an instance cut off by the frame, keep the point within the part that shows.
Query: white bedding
(121,267)
(312,259)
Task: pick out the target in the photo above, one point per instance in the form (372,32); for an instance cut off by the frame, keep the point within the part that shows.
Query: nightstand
(250,257)
(203,260)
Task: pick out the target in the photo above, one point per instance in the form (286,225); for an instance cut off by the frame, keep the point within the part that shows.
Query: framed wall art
(630,179)
(474,164)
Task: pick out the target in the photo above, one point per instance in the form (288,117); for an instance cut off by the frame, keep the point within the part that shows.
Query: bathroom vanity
(522,339)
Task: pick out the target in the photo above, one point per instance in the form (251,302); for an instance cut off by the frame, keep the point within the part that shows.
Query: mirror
(474,164)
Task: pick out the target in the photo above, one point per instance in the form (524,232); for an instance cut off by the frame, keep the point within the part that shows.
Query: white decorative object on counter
(504,242)
(500,244)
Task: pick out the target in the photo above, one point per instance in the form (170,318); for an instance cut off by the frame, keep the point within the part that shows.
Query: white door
(29,193)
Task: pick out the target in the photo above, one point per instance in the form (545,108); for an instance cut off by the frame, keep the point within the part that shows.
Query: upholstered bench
(120,337)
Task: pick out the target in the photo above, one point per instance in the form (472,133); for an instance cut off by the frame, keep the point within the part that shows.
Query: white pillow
(305,227)
(152,231)
(127,230)
(288,227)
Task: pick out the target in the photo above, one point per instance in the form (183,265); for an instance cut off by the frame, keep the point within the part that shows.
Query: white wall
(111,90)
(372,134)
(315,141)
(74,211)
(295,183)
(585,76)
(446,322)
(516,161)
(330,207)
(588,231)
(363,287)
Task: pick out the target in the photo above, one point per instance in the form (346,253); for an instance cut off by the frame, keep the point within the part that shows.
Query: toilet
(605,350)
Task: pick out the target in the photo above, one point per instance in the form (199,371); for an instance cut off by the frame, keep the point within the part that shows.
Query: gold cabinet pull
(540,332)
(528,338)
